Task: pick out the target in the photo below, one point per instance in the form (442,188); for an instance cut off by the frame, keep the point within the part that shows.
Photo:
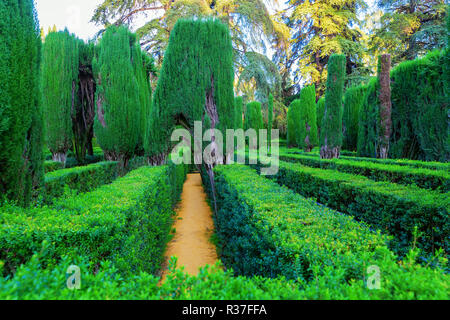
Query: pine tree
(21,156)
(270,119)
(118,116)
(195,84)
(59,89)
(331,135)
(353,102)
(307,126)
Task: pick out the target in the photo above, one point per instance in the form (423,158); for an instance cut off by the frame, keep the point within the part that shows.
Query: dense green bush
(200,90)
(320,114)
(212,283)
(293,117)
(79,179)
(21,128)
(331,128)
(265,229)
(118,97)
(60,61)
(238,113)
(353,102)
(127,222)
(420,109)
(369,117)
(50,166)
(391,208)
(424,178)
(254,118)
(270,119)
(307,126)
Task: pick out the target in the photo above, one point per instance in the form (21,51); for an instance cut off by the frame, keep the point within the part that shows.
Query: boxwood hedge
(424,178)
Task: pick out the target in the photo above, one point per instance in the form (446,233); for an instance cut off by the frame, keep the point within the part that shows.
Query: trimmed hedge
(127,222)
(214,284)
(424,178)
(79,179)
(404,162)
(392,208)
(50,166)
(268,230)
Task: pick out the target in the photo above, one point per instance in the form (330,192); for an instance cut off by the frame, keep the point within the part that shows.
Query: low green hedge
(391,208)
(50,166)
(78,179)
(212,283)
(268,230)
(127,222)
(424,178)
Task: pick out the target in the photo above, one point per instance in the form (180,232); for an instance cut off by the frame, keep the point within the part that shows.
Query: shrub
(270,119)
(424,178)
(253,118)
(79,179)
(50,166)
(320,114)
(293,117)
(368,121)
(21,161)
(391,208)
(127,222)
(331,134)
(267,230)
(307,125)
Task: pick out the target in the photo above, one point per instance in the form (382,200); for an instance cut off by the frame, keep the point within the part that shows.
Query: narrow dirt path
(194,226)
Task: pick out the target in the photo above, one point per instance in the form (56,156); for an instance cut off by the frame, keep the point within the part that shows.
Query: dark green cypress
(118,115)
(270,119)
(331,135)
(368,121)
(353,102)
(195,84)
(239,113)
(253,118)
(307,126)
(59,91)
(21,158)
(320,113)
(293,119)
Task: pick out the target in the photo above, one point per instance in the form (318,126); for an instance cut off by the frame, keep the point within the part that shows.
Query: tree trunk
(60,157)
(385,106)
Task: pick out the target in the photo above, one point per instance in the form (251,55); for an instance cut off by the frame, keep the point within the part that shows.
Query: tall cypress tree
(118,116)
(195,84)
(385,106)
(353,102)
(331,135)
(270,119)
(293,119)
(254,118)
(307,127)
(238,113)
(21,157)
(368,121)
(59,89)
(320,114)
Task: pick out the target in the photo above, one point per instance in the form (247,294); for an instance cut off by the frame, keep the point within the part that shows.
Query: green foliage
(320,114)
(107,224)
(307,126)
(50,166)
(331,129)
(293,117)
(353,102)
(369,121)
(420,109)
(79,179)
(203,48)
(389,207)
(422,177)
(60,64)
(253,118)
(267,230)
(21,162)
(270,119)
(239,113)
(118,112)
